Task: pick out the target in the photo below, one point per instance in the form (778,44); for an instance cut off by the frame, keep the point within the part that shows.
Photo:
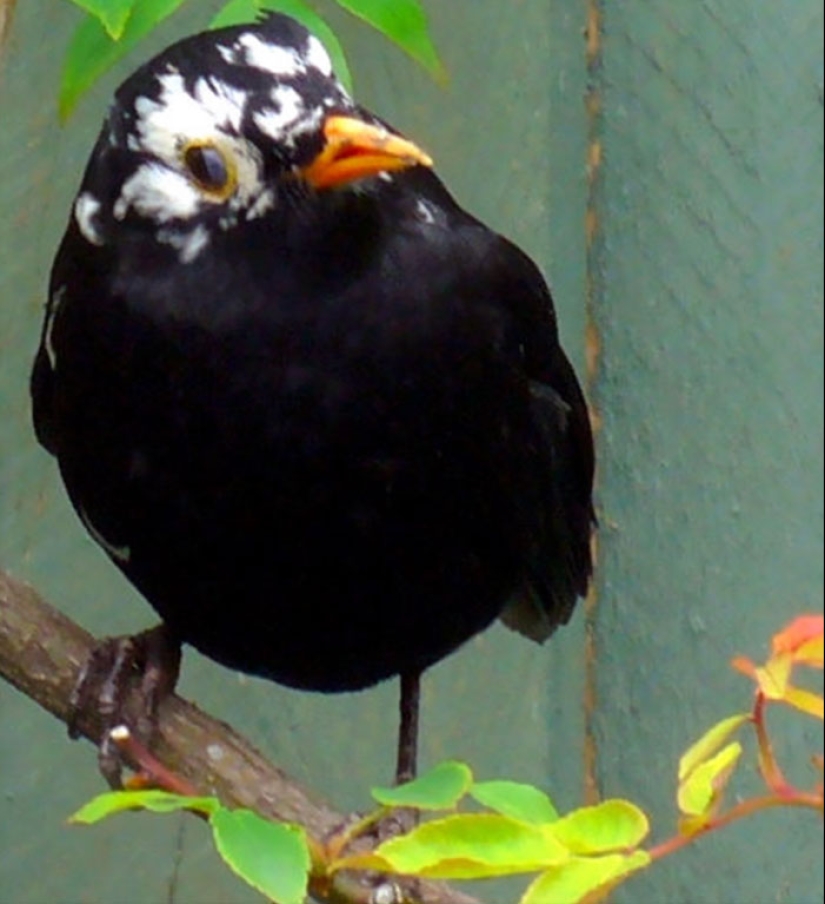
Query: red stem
(782,794)
(768,766)
(150,770)
(792,798)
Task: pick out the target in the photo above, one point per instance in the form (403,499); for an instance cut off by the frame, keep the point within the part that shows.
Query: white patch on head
(86,208)
(176,116)
(317,56)
(160,193)
(274,122)
(281,61)
(284,62)
(290,120)
(248,166)
(162,189)
(118,553)
(225,103)
(188,243)
(54,304)
(311,123)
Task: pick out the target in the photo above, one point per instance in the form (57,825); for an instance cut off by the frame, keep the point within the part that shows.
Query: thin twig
(745,808)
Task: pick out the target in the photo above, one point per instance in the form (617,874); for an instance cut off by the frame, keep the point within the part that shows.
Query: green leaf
(571,881)
(608,826)
(700,790)
(236,12)
(516,800)
(466,846)
(402,21)
(709,743)
(272,857)
(157,801)
(91,51)
(311,20)
(439,789)
(112,14)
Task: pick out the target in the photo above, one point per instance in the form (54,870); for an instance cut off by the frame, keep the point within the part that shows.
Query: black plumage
(314,411)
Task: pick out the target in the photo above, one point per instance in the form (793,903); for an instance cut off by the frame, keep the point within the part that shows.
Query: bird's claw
(122,683)
(101,682)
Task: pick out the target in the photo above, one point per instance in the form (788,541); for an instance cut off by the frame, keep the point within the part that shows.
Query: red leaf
(800,637)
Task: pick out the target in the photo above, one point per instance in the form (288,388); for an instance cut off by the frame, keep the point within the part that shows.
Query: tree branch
(41,653)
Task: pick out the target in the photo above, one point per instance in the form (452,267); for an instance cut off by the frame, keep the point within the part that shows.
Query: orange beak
(356,149)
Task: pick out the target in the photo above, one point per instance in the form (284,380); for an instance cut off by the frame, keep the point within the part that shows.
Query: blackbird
(313,410)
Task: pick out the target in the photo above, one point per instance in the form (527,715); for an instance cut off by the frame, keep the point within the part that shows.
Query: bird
(312,409)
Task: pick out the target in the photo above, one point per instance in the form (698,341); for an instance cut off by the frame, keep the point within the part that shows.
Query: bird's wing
(561,564)
(42,383)
(76,264)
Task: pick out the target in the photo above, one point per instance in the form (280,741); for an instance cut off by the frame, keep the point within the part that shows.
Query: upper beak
(355,149)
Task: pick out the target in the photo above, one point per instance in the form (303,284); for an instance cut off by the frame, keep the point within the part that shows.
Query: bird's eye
(210,168)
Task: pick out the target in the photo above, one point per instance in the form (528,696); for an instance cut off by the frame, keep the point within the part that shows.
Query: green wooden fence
(667,172)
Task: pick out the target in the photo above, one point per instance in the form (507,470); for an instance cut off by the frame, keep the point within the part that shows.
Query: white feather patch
(157,192)
(86,208)
(162,190)
(425,211)
(264,202)
(281,61)
(118,553)
(188,243)
(177,115)
(317,56)
(289,106)
(54,304)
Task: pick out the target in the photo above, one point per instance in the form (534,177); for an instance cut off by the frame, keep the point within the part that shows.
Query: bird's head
(225,128)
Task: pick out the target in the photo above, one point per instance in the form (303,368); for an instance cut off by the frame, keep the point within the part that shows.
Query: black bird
(313,410)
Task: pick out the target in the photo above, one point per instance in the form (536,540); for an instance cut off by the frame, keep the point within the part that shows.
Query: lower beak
(356,149)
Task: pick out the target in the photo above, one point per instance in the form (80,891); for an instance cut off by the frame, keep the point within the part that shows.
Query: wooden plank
(710,389)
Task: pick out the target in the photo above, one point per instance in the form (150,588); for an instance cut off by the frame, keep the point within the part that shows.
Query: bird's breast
(303,459)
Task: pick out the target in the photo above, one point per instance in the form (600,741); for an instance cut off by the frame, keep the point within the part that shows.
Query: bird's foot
(122,683)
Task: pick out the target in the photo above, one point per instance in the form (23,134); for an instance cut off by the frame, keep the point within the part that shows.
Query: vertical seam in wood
(6,16)
(592,228)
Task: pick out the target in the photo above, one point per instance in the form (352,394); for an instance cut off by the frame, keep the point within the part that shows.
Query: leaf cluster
(481,829)
(518,831)
(110,29)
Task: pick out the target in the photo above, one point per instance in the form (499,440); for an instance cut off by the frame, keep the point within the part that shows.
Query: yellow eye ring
(210,168)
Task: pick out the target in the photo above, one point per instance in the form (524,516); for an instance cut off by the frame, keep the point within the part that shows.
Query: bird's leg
(407,766)
(386,825)
(405,819)
(124,680)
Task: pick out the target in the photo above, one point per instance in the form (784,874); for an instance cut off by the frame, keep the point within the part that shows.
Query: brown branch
(41,653)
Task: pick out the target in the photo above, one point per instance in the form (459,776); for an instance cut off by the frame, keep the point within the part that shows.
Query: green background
(701,292)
